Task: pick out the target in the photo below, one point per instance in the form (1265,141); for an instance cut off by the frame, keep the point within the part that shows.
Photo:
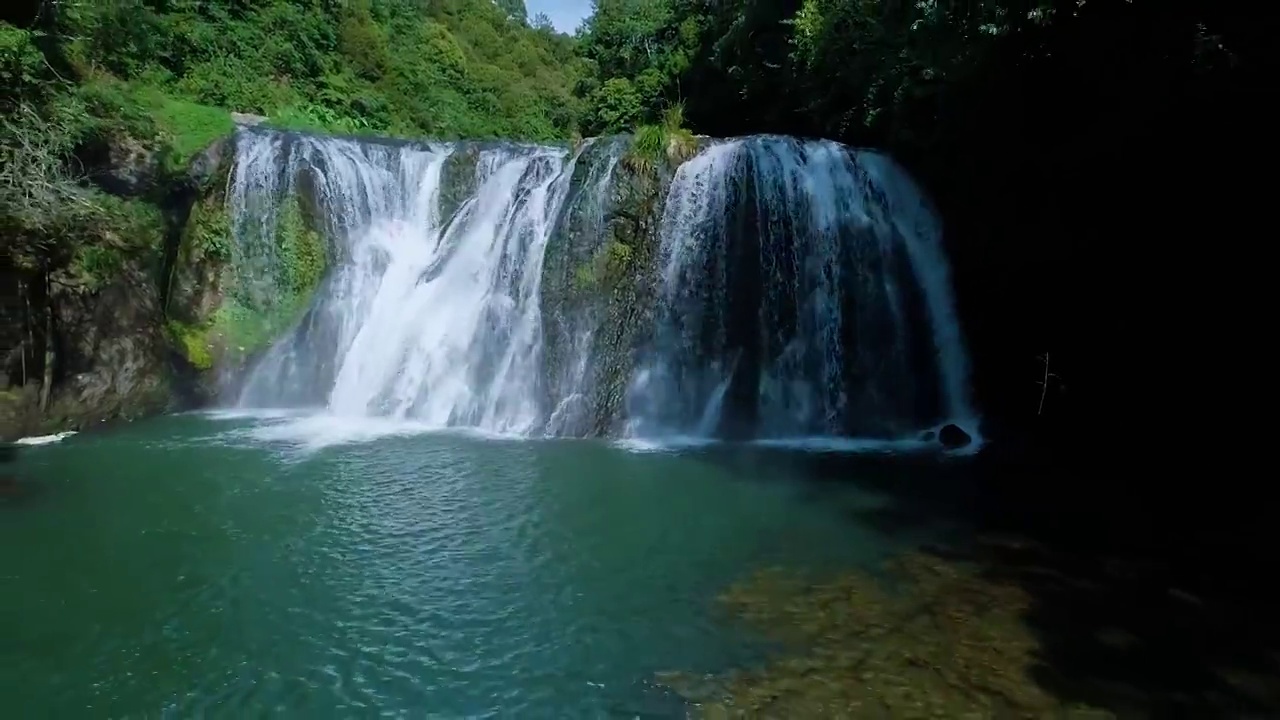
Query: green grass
(145,112)
(668,142)
(188,127)
(315,118)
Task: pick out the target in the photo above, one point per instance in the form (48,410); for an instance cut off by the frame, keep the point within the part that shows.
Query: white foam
(671,443)
(45,439)
(847,445)
(317,431)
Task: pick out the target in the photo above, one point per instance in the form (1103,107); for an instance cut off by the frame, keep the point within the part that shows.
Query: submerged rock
(930,639)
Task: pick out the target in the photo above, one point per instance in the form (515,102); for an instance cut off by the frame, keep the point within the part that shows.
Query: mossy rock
(458,179)
(599,279)
(220,315)
(196,279)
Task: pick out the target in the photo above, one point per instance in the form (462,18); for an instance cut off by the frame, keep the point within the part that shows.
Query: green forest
(906,75)
(1000,107)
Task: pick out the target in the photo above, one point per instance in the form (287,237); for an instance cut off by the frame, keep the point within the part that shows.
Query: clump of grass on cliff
(40,125)
(188,127)
(666,143)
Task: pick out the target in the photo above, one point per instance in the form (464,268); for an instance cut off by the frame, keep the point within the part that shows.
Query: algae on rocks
(927,639)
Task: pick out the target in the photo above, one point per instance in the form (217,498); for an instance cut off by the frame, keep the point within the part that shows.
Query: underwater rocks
(932,639)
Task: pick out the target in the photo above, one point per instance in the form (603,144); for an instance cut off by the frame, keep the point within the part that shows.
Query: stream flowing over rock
(768,288)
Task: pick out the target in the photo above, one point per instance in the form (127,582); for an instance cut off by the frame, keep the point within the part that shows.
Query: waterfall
(769,289)
(804,292)
(429,315)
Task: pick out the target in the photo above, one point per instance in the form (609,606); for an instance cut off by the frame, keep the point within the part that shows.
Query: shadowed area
(1023,602)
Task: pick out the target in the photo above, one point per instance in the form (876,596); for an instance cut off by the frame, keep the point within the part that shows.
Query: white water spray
(427,318)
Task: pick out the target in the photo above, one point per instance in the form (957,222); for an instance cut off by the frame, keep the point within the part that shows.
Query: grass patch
(148,114)
(666,143)
(189,127)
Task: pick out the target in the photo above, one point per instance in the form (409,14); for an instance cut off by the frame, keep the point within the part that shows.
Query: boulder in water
(952,437)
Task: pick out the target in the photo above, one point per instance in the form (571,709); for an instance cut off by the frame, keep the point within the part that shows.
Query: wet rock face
(598,292)
(13,410)
(210,165)
(112,357)
(458,180)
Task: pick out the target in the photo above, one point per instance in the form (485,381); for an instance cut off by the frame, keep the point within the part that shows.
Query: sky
(566,15)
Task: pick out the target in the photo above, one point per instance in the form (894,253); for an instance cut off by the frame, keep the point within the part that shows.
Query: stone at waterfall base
(953,438)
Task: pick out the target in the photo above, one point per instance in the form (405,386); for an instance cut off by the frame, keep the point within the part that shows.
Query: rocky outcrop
(122,165)
(598,290)
(247,120)
(90,345)
(83,328)
(458,179)
(111,357)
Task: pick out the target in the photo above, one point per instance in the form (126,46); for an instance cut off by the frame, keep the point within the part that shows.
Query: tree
(515,10)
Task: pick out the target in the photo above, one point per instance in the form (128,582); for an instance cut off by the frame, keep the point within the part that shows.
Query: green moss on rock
(220,314)
(192,343)
(608,267)
(210,229)
(303,255)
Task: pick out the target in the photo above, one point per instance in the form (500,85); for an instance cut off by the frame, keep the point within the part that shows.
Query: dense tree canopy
(445,68)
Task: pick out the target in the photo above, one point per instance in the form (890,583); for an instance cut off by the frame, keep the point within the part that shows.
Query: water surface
(198,564)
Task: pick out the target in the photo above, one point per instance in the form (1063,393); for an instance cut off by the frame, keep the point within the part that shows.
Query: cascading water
(804,293)
(776,289)
(426,317)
